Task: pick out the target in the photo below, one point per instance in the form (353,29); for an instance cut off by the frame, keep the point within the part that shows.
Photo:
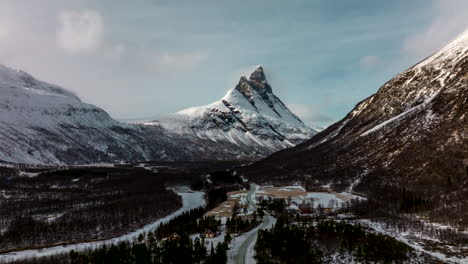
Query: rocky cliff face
(249,121)
(412,133)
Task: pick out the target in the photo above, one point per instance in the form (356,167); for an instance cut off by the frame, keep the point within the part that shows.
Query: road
(253,189)
(240,257)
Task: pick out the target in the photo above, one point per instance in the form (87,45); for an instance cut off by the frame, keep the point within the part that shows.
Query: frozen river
(190,201)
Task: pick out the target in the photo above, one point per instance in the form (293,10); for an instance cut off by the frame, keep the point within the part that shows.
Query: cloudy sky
(144,58)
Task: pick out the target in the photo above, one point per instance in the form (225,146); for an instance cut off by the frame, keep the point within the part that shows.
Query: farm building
(208,234)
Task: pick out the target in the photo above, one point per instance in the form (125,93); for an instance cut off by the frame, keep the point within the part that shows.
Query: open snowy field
(297,194)
(224,210)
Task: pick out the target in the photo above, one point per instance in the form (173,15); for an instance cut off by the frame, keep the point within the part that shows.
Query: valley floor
(246,216)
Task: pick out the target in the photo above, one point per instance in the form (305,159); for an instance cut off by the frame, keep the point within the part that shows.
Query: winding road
(241,255)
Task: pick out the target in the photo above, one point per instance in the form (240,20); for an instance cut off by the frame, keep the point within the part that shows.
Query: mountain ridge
(42,123)
(411,135)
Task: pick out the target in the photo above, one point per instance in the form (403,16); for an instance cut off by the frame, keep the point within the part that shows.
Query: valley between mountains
(241,180)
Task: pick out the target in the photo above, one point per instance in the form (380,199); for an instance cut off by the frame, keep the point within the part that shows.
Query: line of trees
(392,201)
(241,225)
(276,206)
(147,250)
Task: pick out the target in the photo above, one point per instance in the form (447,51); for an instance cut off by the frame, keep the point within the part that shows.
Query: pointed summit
(258,75)
(249,116)
(256,82)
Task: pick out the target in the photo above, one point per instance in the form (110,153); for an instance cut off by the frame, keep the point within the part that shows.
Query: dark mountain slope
(411,135)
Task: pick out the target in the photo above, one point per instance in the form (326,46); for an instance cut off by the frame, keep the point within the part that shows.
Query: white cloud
(449,19)
(369,61)
(79,31)
(309,114)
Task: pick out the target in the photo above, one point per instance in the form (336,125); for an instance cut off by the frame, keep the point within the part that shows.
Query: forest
(79,205)
(310,243)
(241,225)
(158,246)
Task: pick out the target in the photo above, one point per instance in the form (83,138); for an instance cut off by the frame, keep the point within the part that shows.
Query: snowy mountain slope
(412,133)
(43,123)
(249,117)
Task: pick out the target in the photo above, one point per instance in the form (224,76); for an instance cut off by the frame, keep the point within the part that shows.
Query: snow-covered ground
(211,241)
(190,201)
(404,237)
(28,174)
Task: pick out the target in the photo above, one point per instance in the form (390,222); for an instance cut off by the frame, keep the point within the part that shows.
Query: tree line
(146,250)
(241,225)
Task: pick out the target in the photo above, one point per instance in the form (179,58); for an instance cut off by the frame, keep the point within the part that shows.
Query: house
(174,237)
(208,234)
(306,209)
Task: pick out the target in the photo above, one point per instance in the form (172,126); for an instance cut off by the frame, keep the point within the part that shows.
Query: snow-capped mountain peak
(258,92)
(24,82)
(258,75)
(257,82)
(250,114)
